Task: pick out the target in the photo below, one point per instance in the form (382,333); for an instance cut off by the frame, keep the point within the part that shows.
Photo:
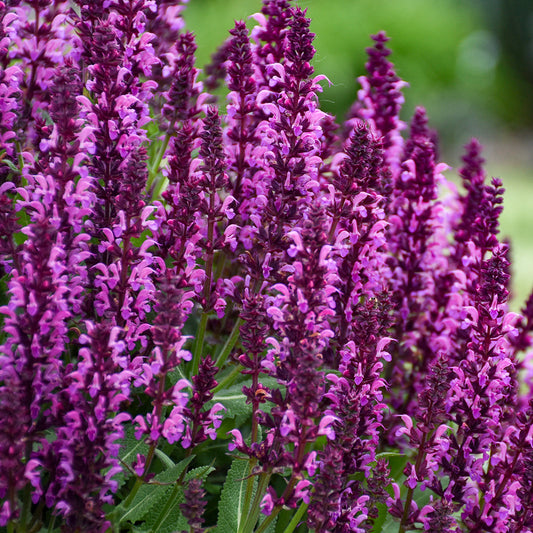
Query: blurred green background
(469,62)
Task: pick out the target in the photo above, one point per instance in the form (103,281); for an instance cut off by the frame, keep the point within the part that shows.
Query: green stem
(151,451)
(36,521)
(166,509)
(138,484)
(268,520)
(228,380)
(158,188)
(199,344)
(296,518)
(207,287)
(335,220)
(230,343)
(36,527)
(253,514)
(249,487)
(157,161)
(406,509)
(20,156)
(220,264)
(52,522)
(25,509)
(409,498)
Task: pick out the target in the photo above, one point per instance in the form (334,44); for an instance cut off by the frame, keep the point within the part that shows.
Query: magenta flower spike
(380,100)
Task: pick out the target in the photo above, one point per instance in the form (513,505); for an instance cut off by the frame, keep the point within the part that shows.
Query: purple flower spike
(173,305)
(212,181)
(271,31)
(380,100)
(292,134)
(194,505)
(82,476)
(202,423)
(32,368)
(485,388)
(165,23)
(300,50)
(416,239)
(184,89)
(473,177)
(242,106)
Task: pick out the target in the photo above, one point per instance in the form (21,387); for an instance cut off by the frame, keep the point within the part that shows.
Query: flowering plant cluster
(232,314)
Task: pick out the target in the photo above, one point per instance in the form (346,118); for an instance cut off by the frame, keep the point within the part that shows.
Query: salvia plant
(224,311)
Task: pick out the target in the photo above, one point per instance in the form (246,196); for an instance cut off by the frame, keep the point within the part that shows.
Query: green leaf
(76,9)
(11,165)
(173,473)
(234,401)
(129,448)
(175,375)
(421,497)
(383,516)
(170,517)
(147,498)
(388,455)
(152,494)
(397,464)
(390,525)
(230,507)
(272,526)
(191,326)
(165,459)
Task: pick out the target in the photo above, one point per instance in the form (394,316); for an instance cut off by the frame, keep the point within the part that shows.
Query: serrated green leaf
(152,494)
(173,473)
(230,507)
(199,473)
(390,525)
(145,500)
(173,519)
(131,446)
(234,401)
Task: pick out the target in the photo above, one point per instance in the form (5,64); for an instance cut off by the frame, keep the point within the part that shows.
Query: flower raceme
(240,313)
